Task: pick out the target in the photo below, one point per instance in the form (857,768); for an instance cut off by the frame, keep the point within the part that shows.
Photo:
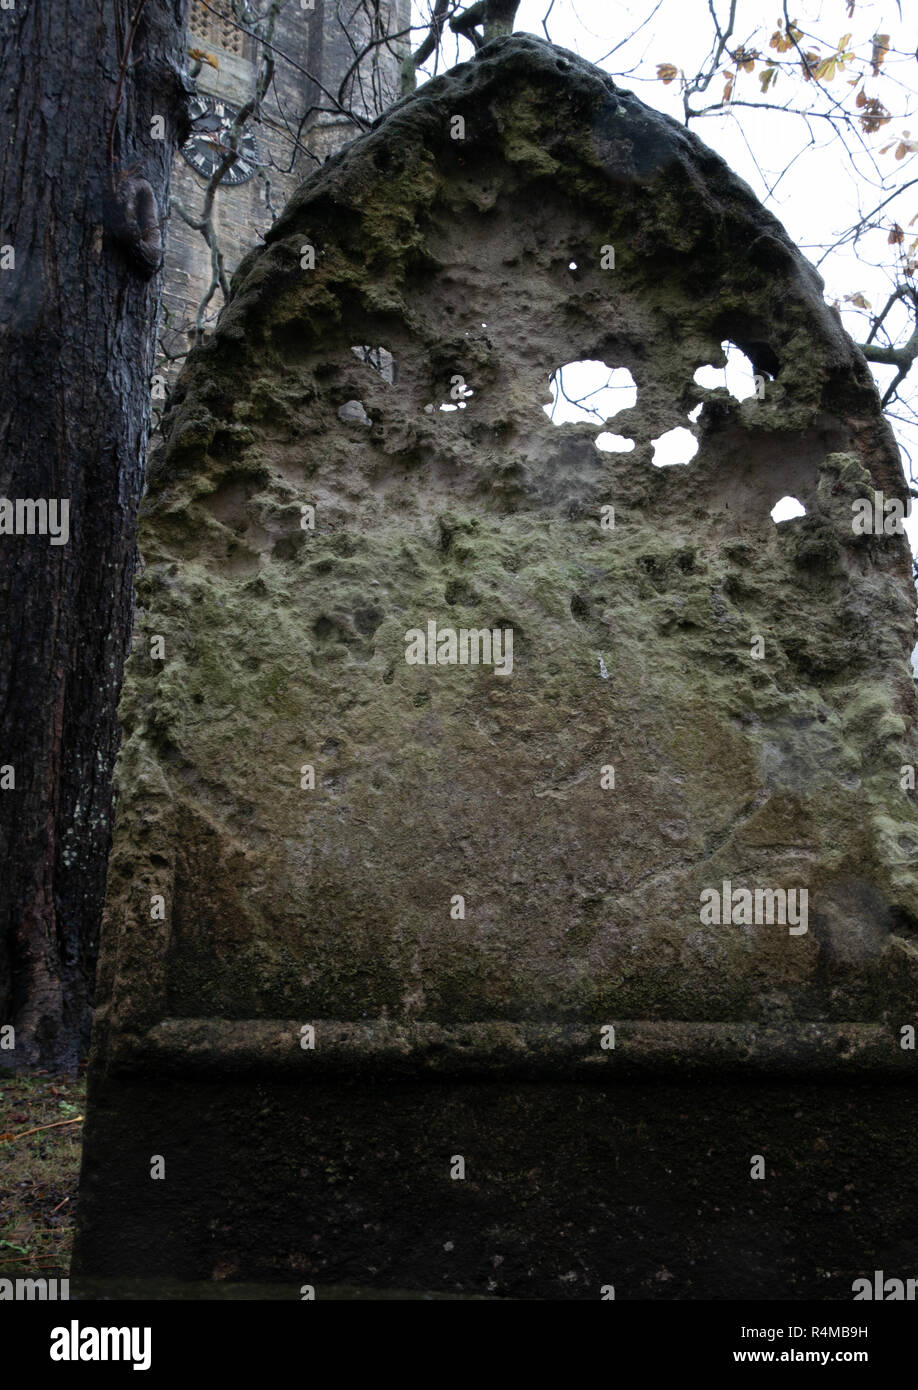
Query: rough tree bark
(84,180)
(496,17)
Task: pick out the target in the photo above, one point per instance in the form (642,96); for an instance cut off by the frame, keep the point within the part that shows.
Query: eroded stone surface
(286,647)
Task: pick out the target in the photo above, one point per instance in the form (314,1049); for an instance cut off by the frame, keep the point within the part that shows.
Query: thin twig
(119,90)
(8,1139)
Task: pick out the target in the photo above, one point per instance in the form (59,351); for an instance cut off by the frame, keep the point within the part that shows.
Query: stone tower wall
(319,46)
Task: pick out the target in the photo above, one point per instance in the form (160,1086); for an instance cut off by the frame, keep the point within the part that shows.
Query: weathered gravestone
(421,972)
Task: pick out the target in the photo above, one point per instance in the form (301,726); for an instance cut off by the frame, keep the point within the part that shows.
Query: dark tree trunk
(83,188)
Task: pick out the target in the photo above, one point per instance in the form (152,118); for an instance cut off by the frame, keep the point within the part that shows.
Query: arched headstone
(475,771)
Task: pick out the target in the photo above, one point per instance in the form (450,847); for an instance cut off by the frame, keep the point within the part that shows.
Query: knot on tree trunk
(138,225)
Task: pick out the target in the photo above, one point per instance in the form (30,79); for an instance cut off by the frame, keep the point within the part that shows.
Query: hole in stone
(288,547)
(738,377)
(674,447)
(367,620)
(613,443)
(353,413)
(459,591)
(694,414)
(786,508)
(380,360)
(573,265)
(589,391)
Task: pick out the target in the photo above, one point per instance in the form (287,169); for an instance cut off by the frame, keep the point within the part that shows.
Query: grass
(39,1171)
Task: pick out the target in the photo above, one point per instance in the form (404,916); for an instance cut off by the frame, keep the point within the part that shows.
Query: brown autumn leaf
(783,41)
(905,147)
(810,63)
(767,77)
(745,58)
(896,236)
(875,115)
(667,72)
(199,56)
(880,50)
(858,300)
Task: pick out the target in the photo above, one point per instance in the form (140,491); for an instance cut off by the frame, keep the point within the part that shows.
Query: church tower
(318,83)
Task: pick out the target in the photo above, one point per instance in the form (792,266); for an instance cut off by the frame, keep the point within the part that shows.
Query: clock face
(208,144)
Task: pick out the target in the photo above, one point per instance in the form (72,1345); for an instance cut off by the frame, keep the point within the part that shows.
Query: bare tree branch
(428,45)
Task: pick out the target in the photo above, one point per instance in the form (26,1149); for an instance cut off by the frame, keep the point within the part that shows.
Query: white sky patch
(737,377)
(589,391)
(786,508)
(674,447)
(614,443)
